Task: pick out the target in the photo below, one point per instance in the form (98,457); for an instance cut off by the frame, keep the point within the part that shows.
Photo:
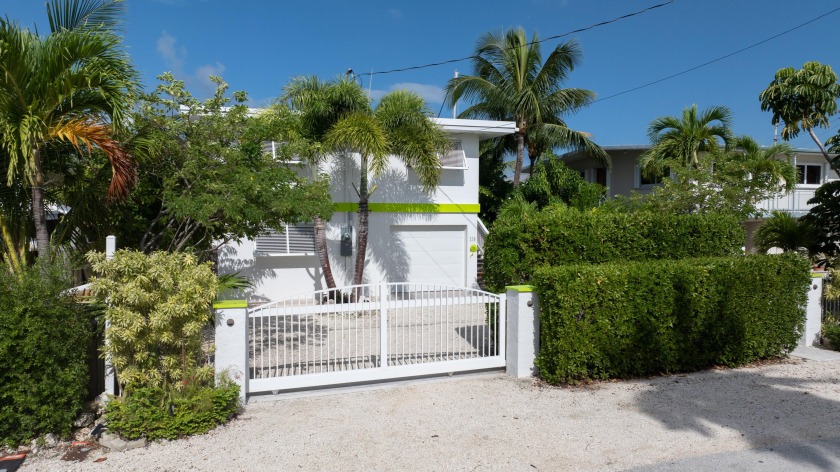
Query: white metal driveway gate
(366,333)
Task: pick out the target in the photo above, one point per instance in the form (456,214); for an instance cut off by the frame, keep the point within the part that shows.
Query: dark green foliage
(626,319)
(825,216)
(524,238)
(167,413)
(831,332)
(44,338)
(553,182)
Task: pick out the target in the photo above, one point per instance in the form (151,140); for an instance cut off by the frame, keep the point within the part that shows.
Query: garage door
(435,254)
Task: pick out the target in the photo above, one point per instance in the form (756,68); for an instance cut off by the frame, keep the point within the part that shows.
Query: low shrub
(170,413)
(640,318)
(44,336)
(523,238)
(831,332)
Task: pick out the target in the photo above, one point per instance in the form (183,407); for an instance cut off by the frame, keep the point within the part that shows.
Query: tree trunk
(362,235)
(520,152)
(39,214)
(533,157)
(321,249)
(822,149)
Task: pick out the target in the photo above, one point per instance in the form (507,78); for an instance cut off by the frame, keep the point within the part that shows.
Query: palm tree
(399,126)
(677,141)
(321,105)
(73,85)
(511,82)
(763,164)
(788,234)
(803,99)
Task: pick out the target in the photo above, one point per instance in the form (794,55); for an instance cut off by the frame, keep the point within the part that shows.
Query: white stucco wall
(276,277)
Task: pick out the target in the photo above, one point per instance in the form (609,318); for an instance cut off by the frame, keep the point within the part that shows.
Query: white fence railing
(795,202)
(372,332)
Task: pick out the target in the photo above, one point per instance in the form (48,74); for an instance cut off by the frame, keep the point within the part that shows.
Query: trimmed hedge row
(640,318)
(521,240)
(44,336)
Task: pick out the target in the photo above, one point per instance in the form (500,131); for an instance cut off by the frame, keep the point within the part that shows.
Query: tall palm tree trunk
(321,249)
(520,152)
(361,239)
(823,150)
(39,215)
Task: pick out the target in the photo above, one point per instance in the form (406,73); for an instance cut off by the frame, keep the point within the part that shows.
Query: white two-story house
(413,236)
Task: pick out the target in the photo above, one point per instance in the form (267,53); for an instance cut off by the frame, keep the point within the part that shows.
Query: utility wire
(558,36)
(691,69)
(718,59)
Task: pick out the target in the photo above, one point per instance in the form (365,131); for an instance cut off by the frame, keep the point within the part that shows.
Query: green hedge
(523,238)
(640,318)
(44,338)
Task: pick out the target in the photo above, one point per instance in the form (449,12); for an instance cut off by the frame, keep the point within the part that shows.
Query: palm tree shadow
(765,409)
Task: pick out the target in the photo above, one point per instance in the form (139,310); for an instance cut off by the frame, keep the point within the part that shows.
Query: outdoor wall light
(230,322)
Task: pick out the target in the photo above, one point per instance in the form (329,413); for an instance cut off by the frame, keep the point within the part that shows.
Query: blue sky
(258,45)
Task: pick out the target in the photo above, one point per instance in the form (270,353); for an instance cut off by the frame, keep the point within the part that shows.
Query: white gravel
(495,423)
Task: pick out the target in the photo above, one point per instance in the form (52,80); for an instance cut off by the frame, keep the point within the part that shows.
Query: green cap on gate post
(223,304)
(520,288)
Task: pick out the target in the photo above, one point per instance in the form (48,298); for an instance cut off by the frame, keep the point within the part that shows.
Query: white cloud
(168,48)
(430,93)
(176,57)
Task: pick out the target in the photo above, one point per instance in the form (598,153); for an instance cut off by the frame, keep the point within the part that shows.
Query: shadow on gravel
(766,410)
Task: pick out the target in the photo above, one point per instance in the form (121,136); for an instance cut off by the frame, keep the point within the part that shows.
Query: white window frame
(805,166)
(637,178)
(458,154)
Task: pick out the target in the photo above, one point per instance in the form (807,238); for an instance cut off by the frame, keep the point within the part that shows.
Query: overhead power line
(718,59)
(557,36)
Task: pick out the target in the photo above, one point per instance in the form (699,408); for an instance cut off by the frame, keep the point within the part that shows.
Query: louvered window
(294,240)
(456,158)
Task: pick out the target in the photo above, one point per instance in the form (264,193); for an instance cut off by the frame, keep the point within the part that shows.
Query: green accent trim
(222,304)
(521,288)
(411,207)
(818,275)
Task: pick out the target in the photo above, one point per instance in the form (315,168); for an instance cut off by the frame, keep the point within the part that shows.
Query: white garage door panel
(435,253)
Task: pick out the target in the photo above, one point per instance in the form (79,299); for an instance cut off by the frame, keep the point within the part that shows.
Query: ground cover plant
(627,319)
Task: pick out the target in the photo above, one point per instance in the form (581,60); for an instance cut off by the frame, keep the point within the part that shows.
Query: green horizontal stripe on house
(411,207)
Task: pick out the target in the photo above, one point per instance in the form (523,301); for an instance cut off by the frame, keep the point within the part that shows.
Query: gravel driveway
(496,423)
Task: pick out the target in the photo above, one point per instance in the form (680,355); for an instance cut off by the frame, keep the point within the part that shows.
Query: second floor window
(809,174)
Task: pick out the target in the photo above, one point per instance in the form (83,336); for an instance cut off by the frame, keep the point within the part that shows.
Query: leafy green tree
(788,234)
(679,141)
(493,188)
(511,82)
(74,85)
(399,126)
(825,215)
(803,99)
(204,177)
(734,181)
(553,182)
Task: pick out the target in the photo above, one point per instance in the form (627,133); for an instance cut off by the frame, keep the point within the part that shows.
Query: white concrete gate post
(813,312)
(523,331)
(232,342)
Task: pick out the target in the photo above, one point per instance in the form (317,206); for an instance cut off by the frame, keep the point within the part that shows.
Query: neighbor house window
(809,174)
(652,180)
